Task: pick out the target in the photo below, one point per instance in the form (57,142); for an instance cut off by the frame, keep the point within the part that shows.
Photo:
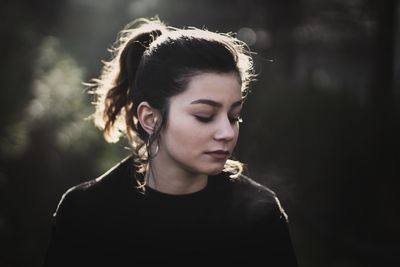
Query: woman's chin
(215,171)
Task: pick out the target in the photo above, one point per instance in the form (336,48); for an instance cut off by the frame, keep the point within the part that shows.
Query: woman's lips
(219,154)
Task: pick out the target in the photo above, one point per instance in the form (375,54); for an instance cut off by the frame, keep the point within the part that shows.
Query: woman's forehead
(218,87)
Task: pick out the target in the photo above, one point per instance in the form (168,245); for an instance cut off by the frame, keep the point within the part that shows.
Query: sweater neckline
(155,194)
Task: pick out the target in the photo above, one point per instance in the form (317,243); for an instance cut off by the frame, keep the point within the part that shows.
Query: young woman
(179,199)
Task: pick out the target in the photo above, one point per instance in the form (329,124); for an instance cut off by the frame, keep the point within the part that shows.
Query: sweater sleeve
(267,240)
(276,247)
(67,245)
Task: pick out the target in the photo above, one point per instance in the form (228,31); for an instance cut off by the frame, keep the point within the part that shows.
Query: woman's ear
(147,117)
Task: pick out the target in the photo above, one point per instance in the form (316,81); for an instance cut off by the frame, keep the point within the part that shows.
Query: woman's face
(203,124)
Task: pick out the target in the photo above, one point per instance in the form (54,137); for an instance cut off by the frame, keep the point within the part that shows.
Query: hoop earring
(150,153)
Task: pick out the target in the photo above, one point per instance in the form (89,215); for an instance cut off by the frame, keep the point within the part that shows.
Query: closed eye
(204,119)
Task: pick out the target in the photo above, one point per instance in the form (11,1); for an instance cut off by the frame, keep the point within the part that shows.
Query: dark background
(321,126)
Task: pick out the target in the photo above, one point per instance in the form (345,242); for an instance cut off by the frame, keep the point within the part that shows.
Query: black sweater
(108,222)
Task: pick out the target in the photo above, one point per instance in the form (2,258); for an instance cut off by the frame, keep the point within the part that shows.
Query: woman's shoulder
(256,195)
(114,176)
(246,185)
(254,186)
(93,191)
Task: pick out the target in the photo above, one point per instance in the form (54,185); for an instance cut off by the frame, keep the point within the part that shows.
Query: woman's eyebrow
(215,103)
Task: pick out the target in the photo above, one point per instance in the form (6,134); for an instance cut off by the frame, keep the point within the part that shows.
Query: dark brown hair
(153,62)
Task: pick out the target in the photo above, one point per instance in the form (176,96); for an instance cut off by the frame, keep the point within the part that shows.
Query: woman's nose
(225,130)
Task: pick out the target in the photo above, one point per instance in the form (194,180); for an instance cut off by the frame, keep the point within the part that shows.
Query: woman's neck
(170,179)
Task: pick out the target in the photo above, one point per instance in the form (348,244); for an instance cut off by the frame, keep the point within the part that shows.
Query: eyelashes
(203,119)
(232,120)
